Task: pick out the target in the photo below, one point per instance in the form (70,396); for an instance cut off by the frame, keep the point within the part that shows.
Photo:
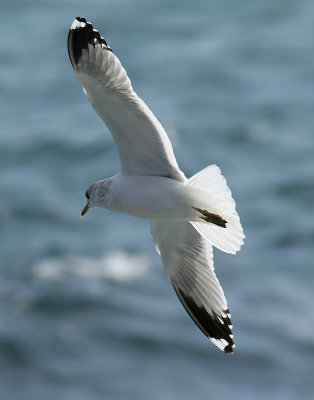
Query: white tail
(214,196)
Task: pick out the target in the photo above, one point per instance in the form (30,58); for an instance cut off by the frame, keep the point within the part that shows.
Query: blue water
(85,307)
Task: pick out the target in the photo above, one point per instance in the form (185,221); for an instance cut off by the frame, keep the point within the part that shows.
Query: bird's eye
(87,195)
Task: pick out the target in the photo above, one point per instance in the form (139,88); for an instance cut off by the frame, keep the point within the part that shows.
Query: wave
(116,265)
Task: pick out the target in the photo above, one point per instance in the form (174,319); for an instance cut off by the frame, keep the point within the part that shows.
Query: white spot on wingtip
(75,24)
(221,343)
(225,314)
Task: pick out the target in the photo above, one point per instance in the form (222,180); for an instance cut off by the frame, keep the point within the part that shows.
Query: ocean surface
(86,309)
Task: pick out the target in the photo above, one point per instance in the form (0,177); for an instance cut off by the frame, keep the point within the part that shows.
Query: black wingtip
(229,349)
(82,34)
(79,19)
(215,327)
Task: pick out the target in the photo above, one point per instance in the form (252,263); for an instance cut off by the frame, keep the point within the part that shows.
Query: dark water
(86,309)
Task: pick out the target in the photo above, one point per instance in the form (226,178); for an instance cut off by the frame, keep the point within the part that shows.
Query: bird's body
(187,216)
(148,197)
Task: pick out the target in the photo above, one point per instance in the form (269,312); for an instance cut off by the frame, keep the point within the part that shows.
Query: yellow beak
(84,211)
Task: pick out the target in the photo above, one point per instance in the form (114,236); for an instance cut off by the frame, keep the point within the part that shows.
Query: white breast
(150,197)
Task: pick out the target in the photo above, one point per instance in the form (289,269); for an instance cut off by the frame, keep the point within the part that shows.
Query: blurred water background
(85,307)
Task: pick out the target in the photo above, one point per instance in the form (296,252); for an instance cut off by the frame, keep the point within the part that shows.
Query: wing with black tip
(188,260)
(143,144)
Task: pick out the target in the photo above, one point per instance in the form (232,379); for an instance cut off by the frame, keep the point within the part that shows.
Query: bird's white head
(97,195)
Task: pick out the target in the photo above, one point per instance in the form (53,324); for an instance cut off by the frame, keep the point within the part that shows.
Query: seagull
(187,216)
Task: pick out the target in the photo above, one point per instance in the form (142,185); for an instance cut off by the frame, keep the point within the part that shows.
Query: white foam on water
(116,265)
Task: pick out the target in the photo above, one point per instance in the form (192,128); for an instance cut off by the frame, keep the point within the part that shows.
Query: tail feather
(218,221)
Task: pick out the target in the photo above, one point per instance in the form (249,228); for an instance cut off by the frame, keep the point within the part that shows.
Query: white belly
(151,197)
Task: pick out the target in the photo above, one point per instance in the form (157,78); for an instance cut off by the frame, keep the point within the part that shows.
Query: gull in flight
(187,216)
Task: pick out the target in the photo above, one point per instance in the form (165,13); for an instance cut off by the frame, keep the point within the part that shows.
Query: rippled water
(86,309)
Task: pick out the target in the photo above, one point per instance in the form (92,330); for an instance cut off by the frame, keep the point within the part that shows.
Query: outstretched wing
(188,261)
(143,144)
